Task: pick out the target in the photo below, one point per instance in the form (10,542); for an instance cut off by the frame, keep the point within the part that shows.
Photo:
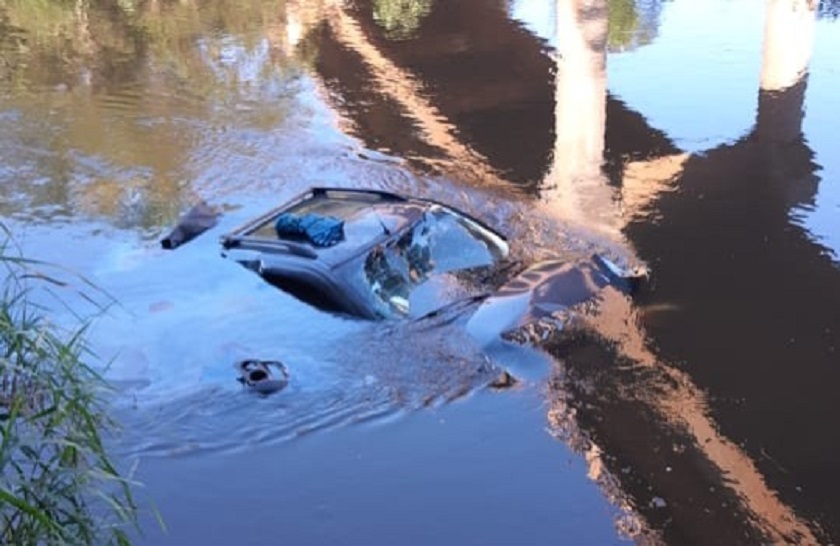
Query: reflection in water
(398,86)
(728,277)
(788,40)
(643,385)
(470,96)
(576,188)
(575,185)
(466,96)
(632,23)
(400,18)
(123,86)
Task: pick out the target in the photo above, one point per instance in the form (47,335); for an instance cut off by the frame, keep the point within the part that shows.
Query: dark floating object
(196,221)
(504,381)
(628,280)
(263,376)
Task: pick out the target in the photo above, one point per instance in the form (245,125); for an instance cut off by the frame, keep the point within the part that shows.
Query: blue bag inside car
(319,230)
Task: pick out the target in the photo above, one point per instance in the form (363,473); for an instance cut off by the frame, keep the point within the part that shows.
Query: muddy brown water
(696,138)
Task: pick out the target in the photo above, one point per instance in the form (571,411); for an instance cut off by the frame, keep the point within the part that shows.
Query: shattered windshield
(440,242)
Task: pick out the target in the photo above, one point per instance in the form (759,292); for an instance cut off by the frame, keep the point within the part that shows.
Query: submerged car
(367,253)
(376,255)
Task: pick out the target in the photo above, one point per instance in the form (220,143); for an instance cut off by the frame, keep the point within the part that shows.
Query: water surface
(694,137)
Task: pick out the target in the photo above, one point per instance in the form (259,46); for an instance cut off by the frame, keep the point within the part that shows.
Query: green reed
(57,482)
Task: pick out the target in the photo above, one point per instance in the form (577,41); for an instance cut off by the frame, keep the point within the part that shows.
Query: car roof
(369,218)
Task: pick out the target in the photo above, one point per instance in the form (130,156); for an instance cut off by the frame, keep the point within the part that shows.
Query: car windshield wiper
(385,229)
(458,305)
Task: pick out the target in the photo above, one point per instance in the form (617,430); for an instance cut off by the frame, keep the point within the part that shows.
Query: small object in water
(263,376)
(503,381)
(196,221)
(626,278)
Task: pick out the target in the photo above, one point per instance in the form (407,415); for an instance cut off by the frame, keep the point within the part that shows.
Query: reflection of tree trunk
(301,18)
(86,43)
(575,183)
(400,85)
(581,87)
(788,41)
